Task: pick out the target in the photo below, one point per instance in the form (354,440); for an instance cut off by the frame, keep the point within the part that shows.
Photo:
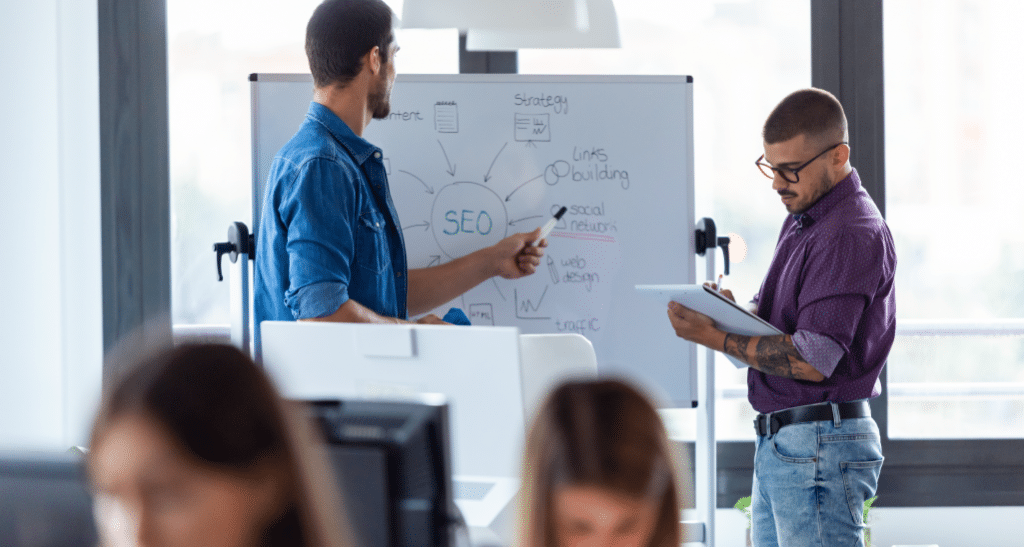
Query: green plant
(743,504)
(867,507)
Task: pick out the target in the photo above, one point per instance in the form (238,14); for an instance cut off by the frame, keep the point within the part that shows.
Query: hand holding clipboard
(727,315)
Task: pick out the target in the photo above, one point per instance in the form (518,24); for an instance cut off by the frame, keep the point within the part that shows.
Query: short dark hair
(813,112)
(340,33)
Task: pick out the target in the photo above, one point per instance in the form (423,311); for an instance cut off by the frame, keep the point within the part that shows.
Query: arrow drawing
(429,189)
(523,184)
(513,223)
(497,288)
(451,168)
(424,225)
(487,177)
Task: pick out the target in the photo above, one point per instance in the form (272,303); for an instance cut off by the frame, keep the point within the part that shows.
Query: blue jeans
(810,483)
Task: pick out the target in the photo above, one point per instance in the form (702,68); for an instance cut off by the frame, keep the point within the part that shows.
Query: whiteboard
(473,158)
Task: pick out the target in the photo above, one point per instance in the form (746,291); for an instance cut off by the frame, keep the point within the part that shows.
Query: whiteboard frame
(688,218)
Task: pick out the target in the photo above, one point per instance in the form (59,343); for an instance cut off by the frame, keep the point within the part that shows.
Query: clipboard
(728,315)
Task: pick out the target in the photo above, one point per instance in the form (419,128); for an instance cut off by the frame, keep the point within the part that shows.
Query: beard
(380,98)
(816,192)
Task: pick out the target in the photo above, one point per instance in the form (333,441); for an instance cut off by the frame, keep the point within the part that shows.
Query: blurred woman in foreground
(193,446)
(598,470)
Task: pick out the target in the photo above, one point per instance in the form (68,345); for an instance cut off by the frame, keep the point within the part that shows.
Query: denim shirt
(329,231)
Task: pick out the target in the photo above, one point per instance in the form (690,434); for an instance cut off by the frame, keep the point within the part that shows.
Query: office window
(954,199)
(213,45)
(744,57)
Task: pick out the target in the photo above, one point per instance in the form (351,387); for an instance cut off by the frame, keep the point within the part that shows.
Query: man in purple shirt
(830,290)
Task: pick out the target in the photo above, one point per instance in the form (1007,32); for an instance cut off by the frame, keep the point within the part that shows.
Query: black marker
(546,230)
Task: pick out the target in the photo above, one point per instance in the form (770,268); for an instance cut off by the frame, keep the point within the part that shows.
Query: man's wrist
(713,338)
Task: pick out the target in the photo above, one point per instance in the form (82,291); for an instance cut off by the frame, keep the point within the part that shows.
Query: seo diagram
(463,181)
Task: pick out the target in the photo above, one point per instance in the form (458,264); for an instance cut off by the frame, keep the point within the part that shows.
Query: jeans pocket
(861,482)
(796,443)
(371,243)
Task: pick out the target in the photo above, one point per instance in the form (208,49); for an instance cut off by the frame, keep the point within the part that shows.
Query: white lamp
(600,29)
(530,15)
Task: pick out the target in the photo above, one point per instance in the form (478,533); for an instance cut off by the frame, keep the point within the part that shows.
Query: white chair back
(548,359)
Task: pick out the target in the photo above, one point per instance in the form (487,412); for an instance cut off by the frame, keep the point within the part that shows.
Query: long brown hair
(600,433)
(225,412)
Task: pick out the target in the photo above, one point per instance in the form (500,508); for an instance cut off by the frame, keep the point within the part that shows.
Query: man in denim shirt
(330,247)
(830,289)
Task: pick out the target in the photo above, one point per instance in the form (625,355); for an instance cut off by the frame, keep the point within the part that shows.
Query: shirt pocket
(372,252)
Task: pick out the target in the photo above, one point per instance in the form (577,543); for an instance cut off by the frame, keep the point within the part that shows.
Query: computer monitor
(44,501)
(393,465)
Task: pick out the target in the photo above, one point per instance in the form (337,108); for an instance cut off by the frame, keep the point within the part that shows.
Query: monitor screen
(44,501)
(393,465)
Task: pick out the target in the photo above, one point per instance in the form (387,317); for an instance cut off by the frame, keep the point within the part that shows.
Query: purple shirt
(831,279)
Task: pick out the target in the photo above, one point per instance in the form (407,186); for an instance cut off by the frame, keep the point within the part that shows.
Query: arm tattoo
(774,355)
(777,357)
(736,345)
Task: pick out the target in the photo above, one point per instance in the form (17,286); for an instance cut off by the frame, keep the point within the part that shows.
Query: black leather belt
(769,424)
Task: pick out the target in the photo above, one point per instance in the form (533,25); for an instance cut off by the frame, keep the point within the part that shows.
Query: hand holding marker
(456,316)
(550,225)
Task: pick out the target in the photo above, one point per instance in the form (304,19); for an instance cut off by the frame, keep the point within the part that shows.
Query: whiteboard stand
(240,244)
(706,450)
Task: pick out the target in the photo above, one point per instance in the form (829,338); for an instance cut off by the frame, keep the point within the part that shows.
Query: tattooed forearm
(775,355)
(736,345)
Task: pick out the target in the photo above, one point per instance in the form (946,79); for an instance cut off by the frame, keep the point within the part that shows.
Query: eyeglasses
(791,176)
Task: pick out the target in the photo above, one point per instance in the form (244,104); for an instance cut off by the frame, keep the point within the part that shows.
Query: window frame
(134,174)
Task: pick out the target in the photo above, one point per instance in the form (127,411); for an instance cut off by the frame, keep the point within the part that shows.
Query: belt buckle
(766,424)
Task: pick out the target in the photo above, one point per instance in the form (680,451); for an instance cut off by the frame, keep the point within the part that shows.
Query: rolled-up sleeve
(820,351)
(318,211)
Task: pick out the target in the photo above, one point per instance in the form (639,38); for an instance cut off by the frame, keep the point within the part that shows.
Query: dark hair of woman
(224,414)
(602,434)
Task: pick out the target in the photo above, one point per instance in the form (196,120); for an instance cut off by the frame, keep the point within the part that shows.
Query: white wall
(50,292)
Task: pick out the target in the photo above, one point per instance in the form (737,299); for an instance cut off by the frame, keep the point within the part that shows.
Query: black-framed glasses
(791,176)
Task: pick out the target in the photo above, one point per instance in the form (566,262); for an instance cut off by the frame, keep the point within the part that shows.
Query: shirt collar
(826,203)
(358,147)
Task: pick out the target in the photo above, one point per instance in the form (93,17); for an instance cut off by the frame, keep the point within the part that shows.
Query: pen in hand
(550,225)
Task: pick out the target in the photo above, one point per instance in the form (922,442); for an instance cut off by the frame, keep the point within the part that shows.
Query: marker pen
(550,225)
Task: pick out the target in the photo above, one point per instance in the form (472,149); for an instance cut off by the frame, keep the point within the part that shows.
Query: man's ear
(842,155)
(372,60)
